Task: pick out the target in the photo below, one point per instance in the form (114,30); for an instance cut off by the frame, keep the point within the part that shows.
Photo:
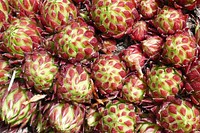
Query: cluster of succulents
(100,66)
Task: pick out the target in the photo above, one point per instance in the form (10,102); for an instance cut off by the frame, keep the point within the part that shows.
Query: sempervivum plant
(164,82)
(139,31)
(152,46)
(15,106)
(179,117)
(56,13)
(179,49)
(118,117)
(75,42)
(74,84)
(25,7)
(108,72)
(113,18)
(134,58)
(133,89)
(192,82)
(148,8)
(22,36)
(39,70)
(65,117)
(4,12)
(169,20)
(4,71)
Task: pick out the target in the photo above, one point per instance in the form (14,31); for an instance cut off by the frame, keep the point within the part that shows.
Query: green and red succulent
(118,117)
(179,117)
(15,106)
(75,42)
(22,36)
(39,70)
(114,18)
(108,72)
(65,117)
(169,20)
(164,82)
(180,49)
(74,84)
(57,13)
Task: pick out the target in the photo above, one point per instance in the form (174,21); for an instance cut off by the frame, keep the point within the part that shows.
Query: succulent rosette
(179,117)
(169,20)
(133,58)
(15,106)
(133,89)
(22,36)
(139,31)
(65,117)
(164,82)
(118,117)
(114,18)
(4,71)
(148,8)
(39,70)
(25,7)
(56,13)
(75,42)
(108,73)
(4,13)
(180,49)
(152,46)
(74,84)
(192,81)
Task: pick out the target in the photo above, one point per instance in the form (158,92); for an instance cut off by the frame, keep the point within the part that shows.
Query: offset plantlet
(148,8)
(152,46)
(139,31)
(134,58)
